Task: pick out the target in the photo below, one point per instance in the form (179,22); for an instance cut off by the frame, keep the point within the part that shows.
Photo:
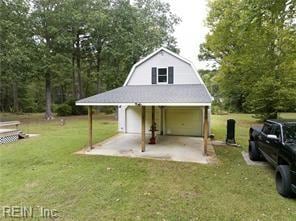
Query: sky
(191,31)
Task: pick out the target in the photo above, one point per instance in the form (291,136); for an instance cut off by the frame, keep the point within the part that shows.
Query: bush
(76,110)
(64,110)
(29,105)
(108,110)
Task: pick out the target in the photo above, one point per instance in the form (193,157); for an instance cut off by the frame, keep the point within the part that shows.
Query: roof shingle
(193,93)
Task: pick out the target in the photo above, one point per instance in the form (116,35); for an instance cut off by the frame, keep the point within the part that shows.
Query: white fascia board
(144,104)
(104,104)
(176,104)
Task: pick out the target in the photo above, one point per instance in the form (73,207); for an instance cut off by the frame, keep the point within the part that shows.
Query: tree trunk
(88,79)
(73,74)
(78,63)
(98,66)
(48,112)
(62,94)
(15,97)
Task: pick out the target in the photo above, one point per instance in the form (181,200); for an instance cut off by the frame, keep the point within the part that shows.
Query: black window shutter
(171,75)
(153,76)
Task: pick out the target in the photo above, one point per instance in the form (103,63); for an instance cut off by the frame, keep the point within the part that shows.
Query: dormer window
(162,76)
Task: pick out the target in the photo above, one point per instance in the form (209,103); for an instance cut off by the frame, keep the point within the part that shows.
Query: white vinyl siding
(121,118)
(183,71)
(133,119)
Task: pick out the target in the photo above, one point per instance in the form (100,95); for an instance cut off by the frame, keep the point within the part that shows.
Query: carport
(152,96)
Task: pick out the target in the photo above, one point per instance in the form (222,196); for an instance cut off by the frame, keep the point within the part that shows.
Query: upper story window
(162,76)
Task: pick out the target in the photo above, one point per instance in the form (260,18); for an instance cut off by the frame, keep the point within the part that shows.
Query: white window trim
(167,75)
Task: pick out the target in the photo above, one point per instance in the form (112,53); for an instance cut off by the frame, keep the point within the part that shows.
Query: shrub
(29,105)
(76,110)
(64,110)
(108,110)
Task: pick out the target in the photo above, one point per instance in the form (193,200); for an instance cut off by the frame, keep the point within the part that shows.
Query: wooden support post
(153,114)
(161,120)
(153,127)
(206,129)
(90,144)
(153,121)
(143,129)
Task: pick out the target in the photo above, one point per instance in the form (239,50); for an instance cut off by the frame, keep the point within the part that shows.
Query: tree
(252,43)
(131,25)
(46,30)
(74,48)
(15,53)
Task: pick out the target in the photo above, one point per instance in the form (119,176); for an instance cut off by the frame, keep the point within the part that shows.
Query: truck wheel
(254,153)
(283,181)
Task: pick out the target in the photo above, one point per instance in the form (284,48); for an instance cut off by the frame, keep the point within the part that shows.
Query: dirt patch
(189,194)
(31,185)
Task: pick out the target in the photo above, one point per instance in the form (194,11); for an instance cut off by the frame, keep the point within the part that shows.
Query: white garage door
(183,121)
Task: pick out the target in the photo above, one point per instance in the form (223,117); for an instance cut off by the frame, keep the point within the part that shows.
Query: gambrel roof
(153,54)
(158,95)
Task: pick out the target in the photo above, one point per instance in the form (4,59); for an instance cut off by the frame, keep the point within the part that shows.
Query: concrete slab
(252,163)
(175,148)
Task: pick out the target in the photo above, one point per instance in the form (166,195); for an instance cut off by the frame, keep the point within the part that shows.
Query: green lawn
(287,116)
(243,124)
(43,171)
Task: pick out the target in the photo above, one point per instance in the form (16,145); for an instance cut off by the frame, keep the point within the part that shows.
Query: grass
(43,171)
(243,124)
(290,116)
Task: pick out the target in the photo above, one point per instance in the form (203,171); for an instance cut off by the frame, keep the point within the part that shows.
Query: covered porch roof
(149,95)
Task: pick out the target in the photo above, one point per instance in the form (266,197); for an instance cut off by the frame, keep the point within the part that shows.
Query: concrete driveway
(175,148)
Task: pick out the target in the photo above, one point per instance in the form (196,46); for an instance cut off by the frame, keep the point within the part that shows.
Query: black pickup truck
(276,142)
